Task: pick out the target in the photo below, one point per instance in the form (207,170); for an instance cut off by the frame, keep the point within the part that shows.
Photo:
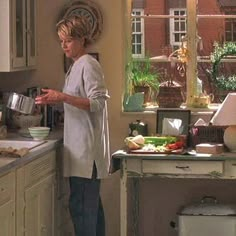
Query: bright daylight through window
(182,52)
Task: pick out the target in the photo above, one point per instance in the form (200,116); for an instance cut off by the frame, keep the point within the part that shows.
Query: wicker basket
(206,134)
(170,95)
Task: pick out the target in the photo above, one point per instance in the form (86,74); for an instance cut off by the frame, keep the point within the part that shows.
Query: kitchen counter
(32,187)
(9,163)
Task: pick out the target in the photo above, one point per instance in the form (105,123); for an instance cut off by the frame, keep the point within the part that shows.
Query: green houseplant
(220,52)
(143,77)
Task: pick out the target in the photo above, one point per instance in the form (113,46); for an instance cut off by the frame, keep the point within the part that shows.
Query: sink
(17,144)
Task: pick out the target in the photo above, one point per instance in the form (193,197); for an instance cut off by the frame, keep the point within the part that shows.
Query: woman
(86,144)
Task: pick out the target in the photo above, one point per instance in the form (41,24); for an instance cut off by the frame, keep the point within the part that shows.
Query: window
(230,27)
(157,30)
(177,27)
(137,34)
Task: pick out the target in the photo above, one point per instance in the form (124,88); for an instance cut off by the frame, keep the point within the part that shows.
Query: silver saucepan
(21,103)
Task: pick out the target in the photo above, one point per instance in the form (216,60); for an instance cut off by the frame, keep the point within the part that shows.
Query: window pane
(182,26)
(228,36)
(177,38)
(227,25)
(234,36)
(138,27)
(32,29)
(176,26)
(19,29)
(161,36)
(138,49)
(138,31)
(138,39)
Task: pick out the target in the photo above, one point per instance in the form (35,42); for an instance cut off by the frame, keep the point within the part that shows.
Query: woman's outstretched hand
(49,96)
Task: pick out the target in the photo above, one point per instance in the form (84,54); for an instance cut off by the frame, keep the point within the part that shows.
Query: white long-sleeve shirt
(86,137)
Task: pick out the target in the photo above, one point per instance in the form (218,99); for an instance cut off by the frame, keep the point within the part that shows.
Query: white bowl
(39,132)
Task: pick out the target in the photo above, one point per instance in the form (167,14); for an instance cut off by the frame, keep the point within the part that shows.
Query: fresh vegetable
(175,146)
(161,148)
(139,139)
(155,143)
(132,145)
(158,141)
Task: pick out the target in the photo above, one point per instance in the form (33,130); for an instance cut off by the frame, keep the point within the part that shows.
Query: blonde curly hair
(75,27)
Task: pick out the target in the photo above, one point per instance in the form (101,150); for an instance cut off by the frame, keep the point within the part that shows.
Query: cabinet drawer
(40,168)
(230,168)
(7,188)
(181,167)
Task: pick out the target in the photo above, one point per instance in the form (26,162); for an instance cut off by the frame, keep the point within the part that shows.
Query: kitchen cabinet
(7,205)
(39,208)
(18,35)
(36,197)
(7,219)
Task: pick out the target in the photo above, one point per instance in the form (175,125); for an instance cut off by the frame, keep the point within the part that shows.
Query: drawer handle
(182,167)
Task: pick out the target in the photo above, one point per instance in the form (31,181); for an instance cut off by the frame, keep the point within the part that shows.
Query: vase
(133,102)
(145,90)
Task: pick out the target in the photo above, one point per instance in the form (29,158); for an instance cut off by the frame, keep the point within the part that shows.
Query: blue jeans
(85,206)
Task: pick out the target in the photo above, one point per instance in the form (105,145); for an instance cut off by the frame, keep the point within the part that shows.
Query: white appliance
(207,218)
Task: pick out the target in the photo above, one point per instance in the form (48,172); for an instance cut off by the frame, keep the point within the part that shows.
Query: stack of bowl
(24,121)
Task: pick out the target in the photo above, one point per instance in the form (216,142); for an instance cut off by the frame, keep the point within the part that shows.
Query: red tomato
(180,144)
(172,146)
(176,145)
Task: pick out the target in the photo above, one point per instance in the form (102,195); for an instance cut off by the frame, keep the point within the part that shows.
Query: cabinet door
(24,33)
(39,208)
(7,219)
(18,42)
(31,33)
(19,33)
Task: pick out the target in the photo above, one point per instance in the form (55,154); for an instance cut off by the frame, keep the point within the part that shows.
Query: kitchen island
(171,166)
(32,190)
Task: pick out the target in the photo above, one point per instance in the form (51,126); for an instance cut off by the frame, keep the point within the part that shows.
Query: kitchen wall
(111,49)
(50,73)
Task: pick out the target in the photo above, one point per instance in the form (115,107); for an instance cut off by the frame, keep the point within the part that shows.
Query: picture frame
(184,115)
(68,61)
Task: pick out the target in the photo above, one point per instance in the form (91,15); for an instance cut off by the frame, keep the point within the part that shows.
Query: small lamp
(226,116)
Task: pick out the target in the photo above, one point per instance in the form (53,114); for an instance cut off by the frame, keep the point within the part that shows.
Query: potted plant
(144,78)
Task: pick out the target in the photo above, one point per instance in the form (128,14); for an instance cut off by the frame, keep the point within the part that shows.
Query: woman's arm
(51,96)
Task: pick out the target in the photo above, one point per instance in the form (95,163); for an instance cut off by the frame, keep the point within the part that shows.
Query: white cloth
(172,126)
(86,137)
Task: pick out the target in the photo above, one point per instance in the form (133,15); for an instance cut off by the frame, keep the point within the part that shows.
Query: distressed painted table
(135,166)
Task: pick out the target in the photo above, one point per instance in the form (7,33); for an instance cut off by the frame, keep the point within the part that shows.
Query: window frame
(191,16)
(141,33)
(172,30)
(232,23)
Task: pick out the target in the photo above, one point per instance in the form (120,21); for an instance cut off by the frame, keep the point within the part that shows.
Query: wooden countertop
(9,163)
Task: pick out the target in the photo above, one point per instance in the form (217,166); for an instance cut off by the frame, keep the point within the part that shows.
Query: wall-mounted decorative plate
(88,9)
